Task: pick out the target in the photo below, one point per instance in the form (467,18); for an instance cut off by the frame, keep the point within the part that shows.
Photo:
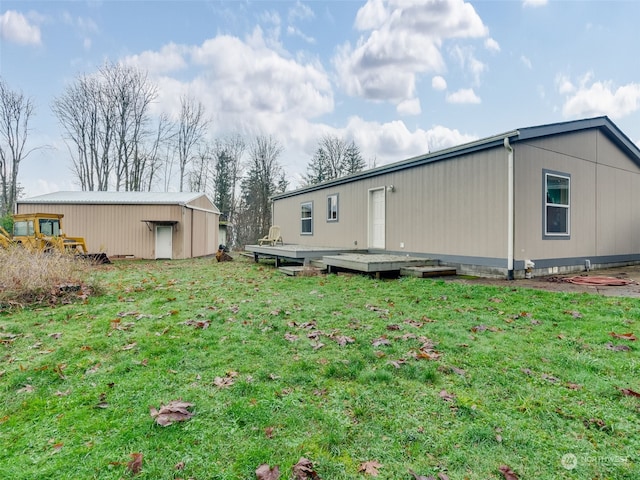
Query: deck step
(301,271)
(427,271)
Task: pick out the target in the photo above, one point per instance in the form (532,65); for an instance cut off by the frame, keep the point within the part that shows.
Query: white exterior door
(377,218)
(164,241)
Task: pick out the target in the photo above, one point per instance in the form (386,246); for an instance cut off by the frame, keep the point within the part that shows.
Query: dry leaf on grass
(265,472)
(135,465)
(446,396)
(303,470)
(624,336)
(377,342)
(26,389)
(508,473)
(630,393)
(174,411)
(370,468)
(617,348)
(225,382)
(198,323)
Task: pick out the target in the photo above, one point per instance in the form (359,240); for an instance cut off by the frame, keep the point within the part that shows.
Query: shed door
(376,218)
(164,241)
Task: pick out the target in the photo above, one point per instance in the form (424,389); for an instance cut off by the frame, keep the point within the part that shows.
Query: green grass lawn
(423,375)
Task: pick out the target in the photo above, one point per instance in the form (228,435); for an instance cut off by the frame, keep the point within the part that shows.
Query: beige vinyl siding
(203,234)
(453,207)
(119,231)
(605,183)
(115,229)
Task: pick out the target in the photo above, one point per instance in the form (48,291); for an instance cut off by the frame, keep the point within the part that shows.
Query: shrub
(40,278)
(7,223)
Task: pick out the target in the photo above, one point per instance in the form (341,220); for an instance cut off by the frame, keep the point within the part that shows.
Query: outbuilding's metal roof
(604,124)
(116,198)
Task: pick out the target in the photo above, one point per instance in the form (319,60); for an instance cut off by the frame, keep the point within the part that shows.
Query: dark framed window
(557,204)
(306,218)
(332,208)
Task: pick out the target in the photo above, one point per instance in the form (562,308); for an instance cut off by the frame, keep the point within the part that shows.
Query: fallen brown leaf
(265,472)
(303,470)
(617,348)
(421,477)
(446,396)
(135,465)
(370,468)
(628,392)
(224,382)
(174,411)
(624,336)
(376,342)
(508,473)
(398,363)
(198,323)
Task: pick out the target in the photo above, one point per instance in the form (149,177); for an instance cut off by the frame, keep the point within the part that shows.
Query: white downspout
(510,209)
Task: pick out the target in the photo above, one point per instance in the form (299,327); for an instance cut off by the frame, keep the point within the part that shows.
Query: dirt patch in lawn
(558,283)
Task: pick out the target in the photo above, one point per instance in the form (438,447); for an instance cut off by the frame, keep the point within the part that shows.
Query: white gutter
(200,209)
(510,209)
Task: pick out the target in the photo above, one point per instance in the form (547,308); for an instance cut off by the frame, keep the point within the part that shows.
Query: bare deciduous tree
(334,158)
(131,94)
(105,118)
(16,111)
(191,131)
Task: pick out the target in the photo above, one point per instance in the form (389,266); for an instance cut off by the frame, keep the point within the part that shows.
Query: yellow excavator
(42,232)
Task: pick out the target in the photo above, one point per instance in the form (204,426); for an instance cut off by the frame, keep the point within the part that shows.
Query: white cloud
(534,3)
(438,83)
(467,60)
(463,96)
(300,12)
(563,84)
(491,45)
(393,141)
(402,39)
(526,62)
(169,58)
(296,32)
(246,86)
(15,28)
(602,98)
(409,107)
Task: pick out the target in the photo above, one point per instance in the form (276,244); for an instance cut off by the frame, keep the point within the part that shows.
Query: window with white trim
(306,218)
(557,218)
(332,208)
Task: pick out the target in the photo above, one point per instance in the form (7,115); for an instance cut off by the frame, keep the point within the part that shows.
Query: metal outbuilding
(144,225)
(544,199)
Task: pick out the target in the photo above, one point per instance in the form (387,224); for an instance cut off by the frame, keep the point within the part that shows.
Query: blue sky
(400,77)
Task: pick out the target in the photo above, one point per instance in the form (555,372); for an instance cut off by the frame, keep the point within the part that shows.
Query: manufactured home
(135,224)
(555,198)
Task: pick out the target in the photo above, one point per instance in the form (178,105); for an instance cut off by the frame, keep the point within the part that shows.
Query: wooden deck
(293,253)
(347,259)
(374,262)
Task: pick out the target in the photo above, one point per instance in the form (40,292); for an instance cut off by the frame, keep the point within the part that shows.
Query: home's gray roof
(604,124)
(115,198)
